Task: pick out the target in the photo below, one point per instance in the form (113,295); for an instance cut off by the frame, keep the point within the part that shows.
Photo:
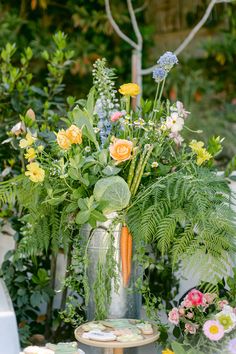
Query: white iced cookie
(33,349)
(146,328)
(45,351)
(129,338)
(99,336)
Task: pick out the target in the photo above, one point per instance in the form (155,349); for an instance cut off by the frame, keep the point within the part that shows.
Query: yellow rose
(63,140)
(121,150)
(30,154)
(74,134)
(167,351)
(129,89)
(35,172)
(29,140)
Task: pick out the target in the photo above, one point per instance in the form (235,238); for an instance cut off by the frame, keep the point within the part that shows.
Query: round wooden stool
(115,347)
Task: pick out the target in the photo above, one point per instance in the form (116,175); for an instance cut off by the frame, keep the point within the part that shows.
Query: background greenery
(56,71)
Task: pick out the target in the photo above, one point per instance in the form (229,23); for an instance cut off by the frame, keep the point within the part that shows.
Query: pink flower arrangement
(213,330)
(174,316)
(195,297)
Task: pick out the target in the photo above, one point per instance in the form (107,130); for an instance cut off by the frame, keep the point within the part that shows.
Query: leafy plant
(185,215)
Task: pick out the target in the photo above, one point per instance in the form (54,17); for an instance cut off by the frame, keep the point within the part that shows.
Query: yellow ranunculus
(74,134)
(35,172)
(167,351)
(202,156)
(30,154)
(121,150)
(63,140)
(28,141)
(129,89)
(196,145)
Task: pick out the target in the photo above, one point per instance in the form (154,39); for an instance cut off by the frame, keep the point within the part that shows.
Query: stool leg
(118,351)
(108,351)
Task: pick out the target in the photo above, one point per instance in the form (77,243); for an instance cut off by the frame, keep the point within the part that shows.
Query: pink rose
(196,297)
(222,303)
(209,298)
(190,328)
(181,311)
(187,303)
(190,315)
(174,316)
(116,116)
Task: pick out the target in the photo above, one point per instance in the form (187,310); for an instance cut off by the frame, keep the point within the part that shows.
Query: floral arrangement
(107,157)
(205,322)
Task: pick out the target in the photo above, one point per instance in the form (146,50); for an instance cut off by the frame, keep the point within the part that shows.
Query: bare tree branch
(135,24)
(193,32)
(117,28)
(141,8)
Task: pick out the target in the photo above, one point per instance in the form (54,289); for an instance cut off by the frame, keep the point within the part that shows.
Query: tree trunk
(137,75)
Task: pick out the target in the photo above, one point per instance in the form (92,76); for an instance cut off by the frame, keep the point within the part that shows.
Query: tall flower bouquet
(108,158)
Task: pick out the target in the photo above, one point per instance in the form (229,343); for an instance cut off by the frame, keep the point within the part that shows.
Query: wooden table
(115,347)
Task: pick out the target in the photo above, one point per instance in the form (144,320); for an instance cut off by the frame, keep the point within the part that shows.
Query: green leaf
(98,216)
(35,299)
(113,190)
(82,217)
(90,101)
(111,170)
(178,348)
(81,119)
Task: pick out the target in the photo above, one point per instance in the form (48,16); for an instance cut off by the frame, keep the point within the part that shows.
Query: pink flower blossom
(187,303)
(190,315)
(116,116)
(176,137)
(209,298)
(174,316)
(213,330)
(181,311)
(190,328)
(196,297)
(181,110)
(222,303)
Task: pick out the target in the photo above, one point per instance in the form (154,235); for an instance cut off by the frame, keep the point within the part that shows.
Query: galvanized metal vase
(124,302)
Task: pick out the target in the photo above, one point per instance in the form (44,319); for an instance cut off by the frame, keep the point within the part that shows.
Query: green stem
(155,100)
(132,167)
(127,103)
(138,171)
(160,95)
(142,170)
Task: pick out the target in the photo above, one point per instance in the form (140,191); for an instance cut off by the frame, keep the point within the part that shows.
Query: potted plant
(130,174)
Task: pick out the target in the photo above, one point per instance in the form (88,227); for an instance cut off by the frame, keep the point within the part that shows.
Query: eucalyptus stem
(142,170)
(132,167)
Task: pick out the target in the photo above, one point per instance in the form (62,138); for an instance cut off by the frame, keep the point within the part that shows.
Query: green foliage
(28,283)
(188,216)
(113,191)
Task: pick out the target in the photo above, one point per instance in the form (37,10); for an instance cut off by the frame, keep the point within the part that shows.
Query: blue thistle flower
(168,60)
(159,74)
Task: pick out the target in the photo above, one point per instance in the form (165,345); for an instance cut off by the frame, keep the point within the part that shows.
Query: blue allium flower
(168,60)
(159,74)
